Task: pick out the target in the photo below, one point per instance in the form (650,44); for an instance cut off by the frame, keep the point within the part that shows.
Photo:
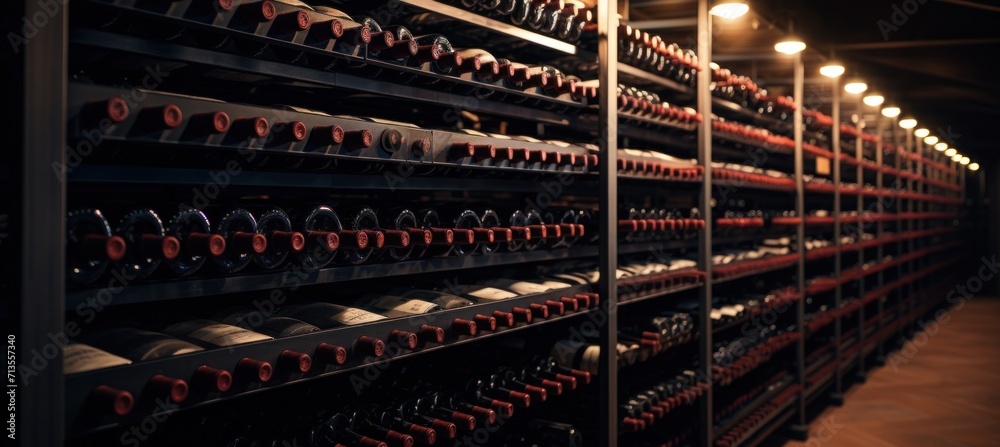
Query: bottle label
(555,285)
(571,278)
(217,334)
(491,294)
(79,358)
(405,306)
(353,315)
(526,288)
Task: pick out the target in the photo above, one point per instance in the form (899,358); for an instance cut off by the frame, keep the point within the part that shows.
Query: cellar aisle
(946,395)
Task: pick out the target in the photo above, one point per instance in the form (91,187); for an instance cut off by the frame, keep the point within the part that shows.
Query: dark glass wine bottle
(197,242)
(282,240)
(321,227)
(362,220)
(139,345)
(90,247)
(257,321)
(243,242)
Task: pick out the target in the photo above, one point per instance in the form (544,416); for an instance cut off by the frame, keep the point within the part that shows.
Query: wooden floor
(947,394)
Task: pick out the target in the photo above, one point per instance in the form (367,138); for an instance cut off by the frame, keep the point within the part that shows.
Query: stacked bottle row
(733,406)
(647,225)
(648,105)
(309,238)
(569,21)
(302,139)
(735,359)
(169,334)
(650,403)
(325,38)
(566,21)
(640,339)
(762,415)
(419,404)
(642,277)
(744,91)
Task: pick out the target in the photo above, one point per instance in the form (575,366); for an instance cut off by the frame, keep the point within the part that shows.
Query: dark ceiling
(940,65)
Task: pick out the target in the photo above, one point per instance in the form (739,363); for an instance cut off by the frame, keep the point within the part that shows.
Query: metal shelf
(190,288)
(662,294)
(753,405)
(320,180)
(134,377)
(242,64)
(500,27)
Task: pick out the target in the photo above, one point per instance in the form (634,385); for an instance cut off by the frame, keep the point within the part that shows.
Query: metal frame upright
(837,236)
(42,204)
(879,230)
(607,34)
(859,153)
(704,105)
(800,240)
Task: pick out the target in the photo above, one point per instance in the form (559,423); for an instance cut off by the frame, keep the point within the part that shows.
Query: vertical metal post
(916,206)
(838,258)
(704,99)
(879,227)
(859,153)
(607,34)
(901,295)
(800,236)
(41,224)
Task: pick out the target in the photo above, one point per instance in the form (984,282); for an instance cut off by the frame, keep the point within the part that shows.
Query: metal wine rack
(51,405)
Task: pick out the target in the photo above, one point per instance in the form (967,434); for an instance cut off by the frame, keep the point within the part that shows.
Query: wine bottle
(362,422)
(501,236)
(380,40)
(361,220)
(90,247)
(282,241)
(468,220)
(444,239)
(350,36)
(403,234)
(328,316)
(539,232)
(243,242)
(139,345)
(393,306)
(337,429)
(257,321)
(212,334)
(405,46)
(78,358)
(444,300)
(197,243)
(437,51)
(520,233)
(483,65)
(321,227)
(146,244)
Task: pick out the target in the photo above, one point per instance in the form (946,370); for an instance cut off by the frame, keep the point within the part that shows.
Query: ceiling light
(920,133)
(950,152)
(832,70)
(931,140)
(974,166)
(964,161)
(729,9)
(790,45)
(855,86)
(891,112)
(957,158)
(874,99)
(941,146)
(907,123)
